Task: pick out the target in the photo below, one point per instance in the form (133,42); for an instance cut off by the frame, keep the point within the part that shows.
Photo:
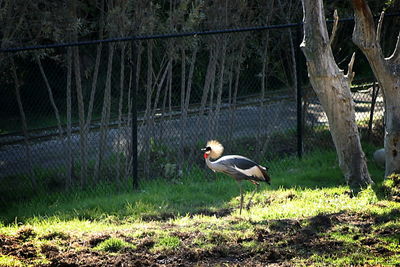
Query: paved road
(248,121)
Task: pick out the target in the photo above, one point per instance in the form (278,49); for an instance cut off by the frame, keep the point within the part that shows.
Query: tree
(332,87)
(387,72)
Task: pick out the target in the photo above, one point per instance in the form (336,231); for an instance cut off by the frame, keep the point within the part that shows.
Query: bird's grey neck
(214,165)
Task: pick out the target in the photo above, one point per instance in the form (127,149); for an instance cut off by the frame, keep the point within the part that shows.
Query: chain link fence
(121,112)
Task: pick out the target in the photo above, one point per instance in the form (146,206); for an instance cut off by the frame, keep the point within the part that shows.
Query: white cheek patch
(253,171)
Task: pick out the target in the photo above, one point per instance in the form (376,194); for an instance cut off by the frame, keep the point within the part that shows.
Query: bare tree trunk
(149,93)
(187,96)
(69,119)
(81,109)
(212,63)
(387,72)
(264,79)
(94,87)
(294,63)
(211,117)
(230,71)
(333,90)
(24,125)
(105,114)
(160,82)
(133,81)
(220,87)
(50,91)
(170,92)
(81,105)
(166,96)
(237,70)
(181,156)
(127,168)
(120,104)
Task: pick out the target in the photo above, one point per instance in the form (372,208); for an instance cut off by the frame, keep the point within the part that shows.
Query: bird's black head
(213,149)
(207,151)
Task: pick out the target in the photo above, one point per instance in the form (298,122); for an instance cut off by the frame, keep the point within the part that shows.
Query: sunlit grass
(9,261)
(167,243)
(114,245)
(307,187)
(207,210)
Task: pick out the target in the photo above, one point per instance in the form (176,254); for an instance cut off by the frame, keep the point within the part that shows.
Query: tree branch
(334,29)
(379,28)
(350,73)
(395,57)
(364,34)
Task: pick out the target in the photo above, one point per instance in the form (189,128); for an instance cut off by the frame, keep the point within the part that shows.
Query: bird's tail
(267,179)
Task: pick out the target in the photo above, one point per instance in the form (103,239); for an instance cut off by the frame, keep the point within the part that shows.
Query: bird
(238,167)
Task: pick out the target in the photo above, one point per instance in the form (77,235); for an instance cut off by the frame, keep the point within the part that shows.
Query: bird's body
(238,167)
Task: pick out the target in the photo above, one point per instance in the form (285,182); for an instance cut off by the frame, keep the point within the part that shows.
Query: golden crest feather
(216,149)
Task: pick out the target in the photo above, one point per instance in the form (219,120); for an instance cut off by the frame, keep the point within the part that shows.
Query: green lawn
(306,217)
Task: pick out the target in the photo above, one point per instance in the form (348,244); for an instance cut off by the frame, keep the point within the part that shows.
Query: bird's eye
(208,148)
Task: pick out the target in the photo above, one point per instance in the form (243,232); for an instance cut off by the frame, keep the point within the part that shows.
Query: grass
(114,245)
(307,217)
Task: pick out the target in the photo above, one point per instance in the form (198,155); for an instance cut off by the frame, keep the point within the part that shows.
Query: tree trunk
(105,113)
(81,105)
(387,72)
(187,96)
(51,97)
(24,125)
(182,136)
(127,164)
(68,182)
(333,90)
(215,127)
(81,109)
(120,105)
(264,82)
(147,116)
(212,63)
(232,106)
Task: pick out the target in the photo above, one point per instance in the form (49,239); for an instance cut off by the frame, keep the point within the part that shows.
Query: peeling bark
(387,73)
(333,90)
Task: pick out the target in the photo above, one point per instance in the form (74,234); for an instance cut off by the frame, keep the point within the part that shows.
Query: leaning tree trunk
(68,182)
(333,90)
(24,125)
(105,115)
(387,72)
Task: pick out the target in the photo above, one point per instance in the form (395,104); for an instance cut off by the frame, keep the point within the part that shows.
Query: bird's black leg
(241,196)
(252,195)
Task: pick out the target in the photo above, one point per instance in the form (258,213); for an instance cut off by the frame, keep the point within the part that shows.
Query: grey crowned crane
(238,167)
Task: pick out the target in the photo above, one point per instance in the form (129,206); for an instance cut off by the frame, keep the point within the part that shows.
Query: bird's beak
(203,149)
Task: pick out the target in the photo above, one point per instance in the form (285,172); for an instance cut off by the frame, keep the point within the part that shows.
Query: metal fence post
(299,96)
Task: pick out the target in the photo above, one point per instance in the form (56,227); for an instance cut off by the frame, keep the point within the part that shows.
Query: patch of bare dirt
(278,243)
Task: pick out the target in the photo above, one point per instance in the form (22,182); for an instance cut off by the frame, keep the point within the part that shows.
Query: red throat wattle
(205,155)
